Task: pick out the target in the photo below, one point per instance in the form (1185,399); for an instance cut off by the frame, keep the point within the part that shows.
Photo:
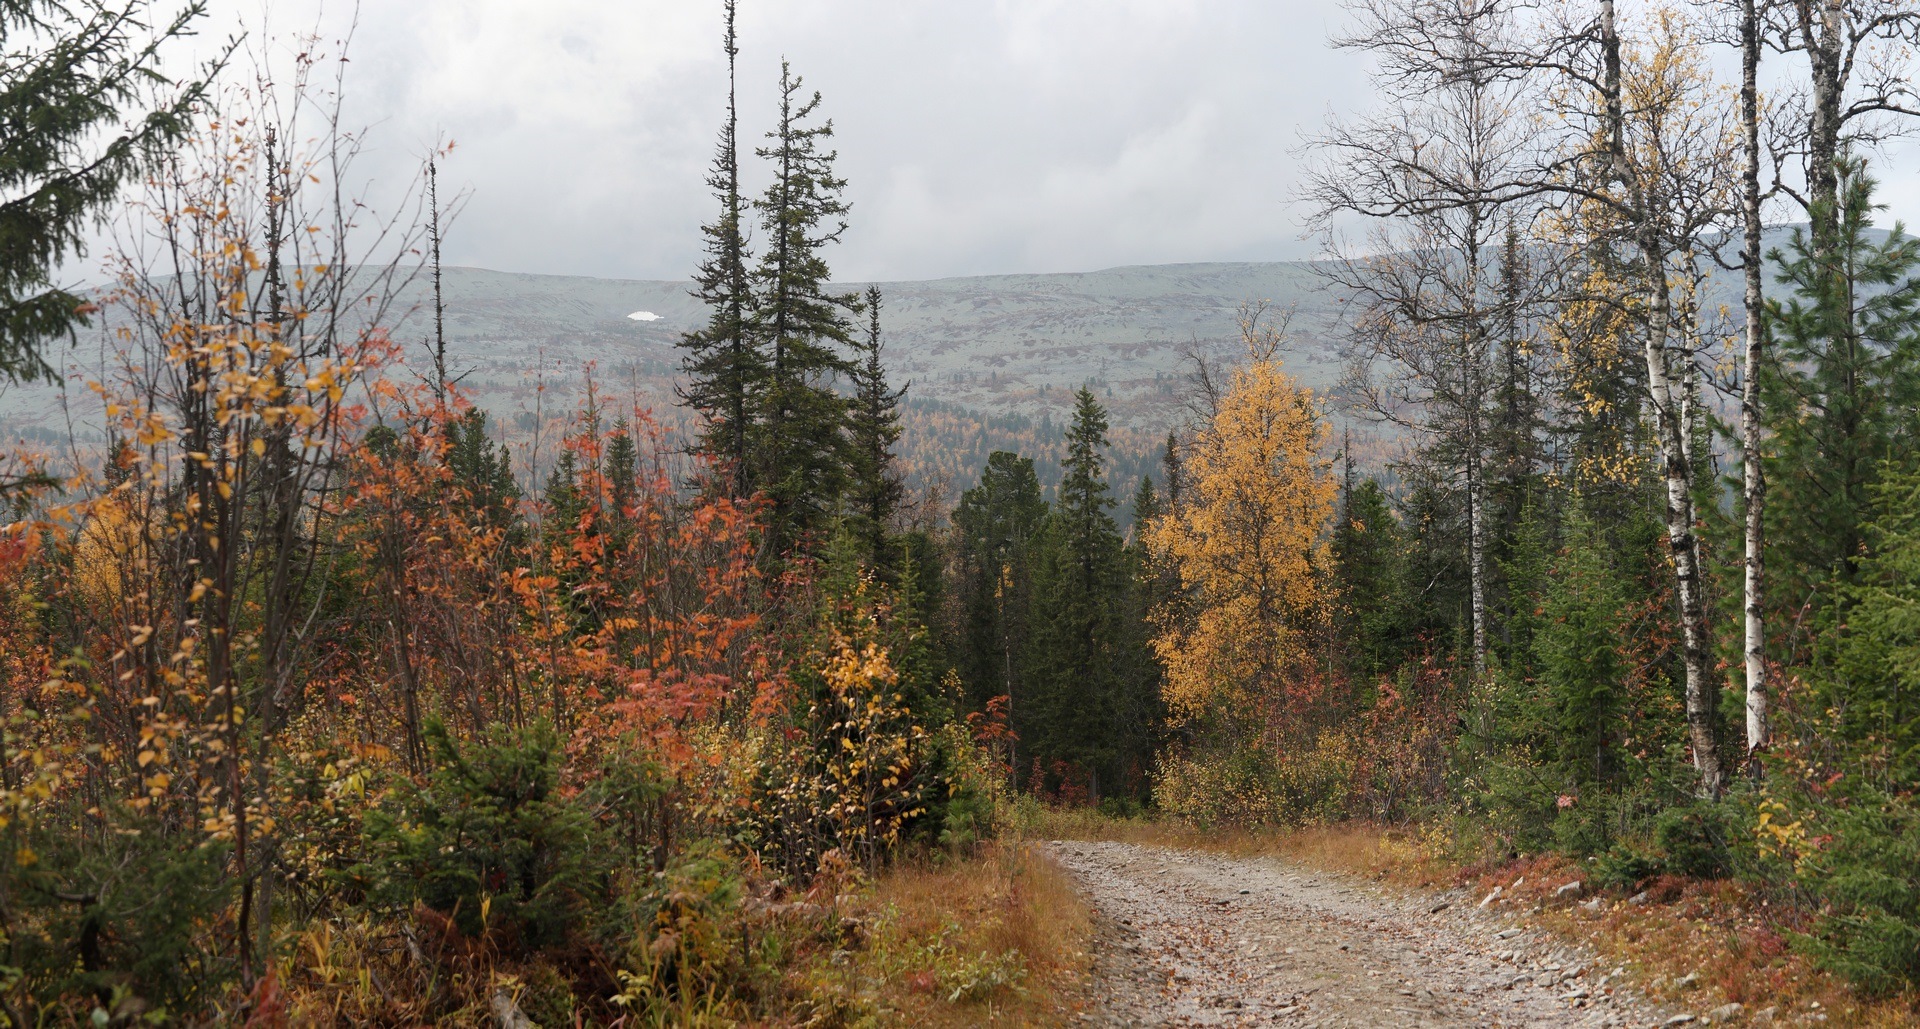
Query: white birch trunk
(1682,544)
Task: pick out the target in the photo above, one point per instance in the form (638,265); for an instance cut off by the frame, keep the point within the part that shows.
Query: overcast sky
(979,136)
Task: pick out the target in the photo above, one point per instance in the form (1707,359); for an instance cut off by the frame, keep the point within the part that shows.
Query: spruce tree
(998,522)
(1146,507)
(724,368)
(1837,398)
(622,465)
(801,449)
(1525,569)
(76,81)
(1865,729)
(1580,660)
(562,502)
(874,427)
(481,468)
(1369,559)
(1080,586)
(1139,711)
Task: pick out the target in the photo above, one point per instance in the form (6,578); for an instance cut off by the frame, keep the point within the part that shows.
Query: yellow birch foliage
(1250,546)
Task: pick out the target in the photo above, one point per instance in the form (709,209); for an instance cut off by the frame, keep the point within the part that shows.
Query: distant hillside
(993,360)
(999,353)
(1001,344)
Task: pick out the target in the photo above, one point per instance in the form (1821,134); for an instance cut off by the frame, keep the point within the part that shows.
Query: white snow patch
(644,316)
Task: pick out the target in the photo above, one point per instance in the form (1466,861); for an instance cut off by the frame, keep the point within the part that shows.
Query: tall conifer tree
(998,522)
(801,449)
(1839,396)
(874,426)
(1080,588)
(724,368)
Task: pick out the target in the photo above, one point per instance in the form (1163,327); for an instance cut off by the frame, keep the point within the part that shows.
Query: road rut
(1189,938)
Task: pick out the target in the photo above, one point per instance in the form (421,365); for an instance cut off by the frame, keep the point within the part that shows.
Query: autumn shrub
(1215,787)
(851,774)
(1397,748)
(965,794)
(490,842)
(684,945)
(324,792)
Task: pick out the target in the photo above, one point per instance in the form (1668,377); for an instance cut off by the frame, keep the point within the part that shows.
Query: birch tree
(1429,295)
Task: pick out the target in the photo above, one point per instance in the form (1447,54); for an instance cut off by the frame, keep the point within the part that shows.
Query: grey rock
(507,1013)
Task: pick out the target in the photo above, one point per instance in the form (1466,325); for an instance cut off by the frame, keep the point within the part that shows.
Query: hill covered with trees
(352,673)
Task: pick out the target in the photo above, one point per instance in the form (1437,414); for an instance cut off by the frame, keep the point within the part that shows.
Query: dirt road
(1189,938)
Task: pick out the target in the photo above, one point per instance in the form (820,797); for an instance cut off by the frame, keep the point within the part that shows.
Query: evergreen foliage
(802,454)
(1861,742)
(1084,683)
(86,107)
(724,365)
(873,427)
(482,469)
(998,523)
(1839,396)
(622,464)
(109,910)
(1369,555)
(489,840)
(1582,671)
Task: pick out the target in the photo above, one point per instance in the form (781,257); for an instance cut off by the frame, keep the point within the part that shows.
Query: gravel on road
(1189,938)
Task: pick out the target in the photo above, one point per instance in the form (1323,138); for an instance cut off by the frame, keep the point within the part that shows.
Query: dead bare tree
(1425,299)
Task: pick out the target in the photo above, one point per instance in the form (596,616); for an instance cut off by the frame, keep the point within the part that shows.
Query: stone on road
(1188,938)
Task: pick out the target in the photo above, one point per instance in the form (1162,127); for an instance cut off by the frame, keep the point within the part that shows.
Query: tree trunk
(1823,34)
(1476,526)
(1682,544)
(1753,483)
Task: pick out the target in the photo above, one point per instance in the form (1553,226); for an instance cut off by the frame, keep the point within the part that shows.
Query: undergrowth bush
(1868,877)
(1314,783)
(490,843)
(114,916)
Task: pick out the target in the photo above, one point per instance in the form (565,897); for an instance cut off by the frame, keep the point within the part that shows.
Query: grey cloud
(982,136)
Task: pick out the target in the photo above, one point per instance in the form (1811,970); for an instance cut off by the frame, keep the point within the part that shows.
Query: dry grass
(998,939)
(1724,933)
(1734,940)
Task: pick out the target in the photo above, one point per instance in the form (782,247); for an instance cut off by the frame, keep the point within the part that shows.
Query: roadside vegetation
(1733,940)
(322,705)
